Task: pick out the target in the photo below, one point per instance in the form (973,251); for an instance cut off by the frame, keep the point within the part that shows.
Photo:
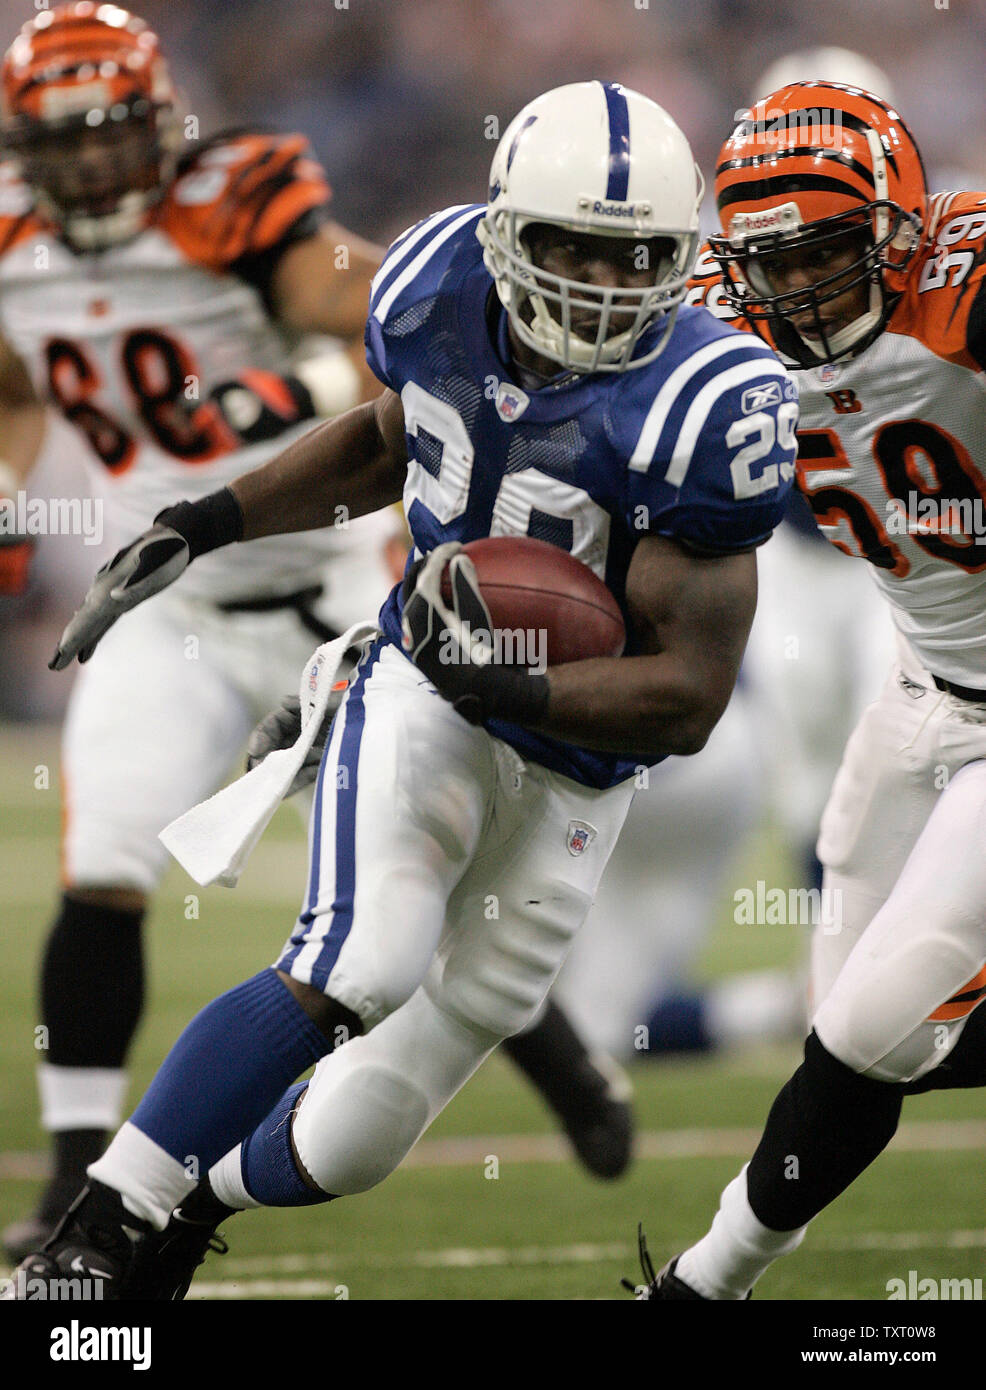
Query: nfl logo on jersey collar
(511,401)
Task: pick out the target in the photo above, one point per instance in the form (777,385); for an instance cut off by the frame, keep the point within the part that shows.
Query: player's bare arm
(357,461)
(692,615)
(22,427)
(320,286)
(21,420)
(320,283)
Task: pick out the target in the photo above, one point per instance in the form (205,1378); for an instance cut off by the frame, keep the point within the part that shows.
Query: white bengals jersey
(892,444)
(129,343)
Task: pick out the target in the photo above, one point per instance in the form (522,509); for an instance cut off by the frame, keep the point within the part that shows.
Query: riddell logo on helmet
(614,209)
(764,221)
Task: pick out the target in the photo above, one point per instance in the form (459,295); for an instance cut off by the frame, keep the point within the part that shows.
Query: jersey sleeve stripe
(397,256)
(702,406)
(669,394)
(420,260)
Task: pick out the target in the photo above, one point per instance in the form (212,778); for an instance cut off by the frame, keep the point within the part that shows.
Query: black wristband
(205,525)
(515,696)
(524,699)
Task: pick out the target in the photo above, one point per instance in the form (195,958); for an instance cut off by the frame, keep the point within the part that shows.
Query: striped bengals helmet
(89,71)
(824,170)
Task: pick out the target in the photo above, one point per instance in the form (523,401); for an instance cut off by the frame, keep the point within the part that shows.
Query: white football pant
(902,840)
(448,879)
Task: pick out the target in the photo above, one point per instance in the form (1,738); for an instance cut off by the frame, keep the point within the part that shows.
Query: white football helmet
(843,65)
(591,157)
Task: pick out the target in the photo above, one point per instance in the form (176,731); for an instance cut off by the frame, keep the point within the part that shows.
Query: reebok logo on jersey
(760,397)
(909,687)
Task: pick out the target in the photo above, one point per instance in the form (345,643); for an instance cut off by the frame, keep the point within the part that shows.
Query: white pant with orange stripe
(900,966)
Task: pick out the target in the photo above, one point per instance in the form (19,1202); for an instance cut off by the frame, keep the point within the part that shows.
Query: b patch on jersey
(511,401)
(580,836)
(760,397)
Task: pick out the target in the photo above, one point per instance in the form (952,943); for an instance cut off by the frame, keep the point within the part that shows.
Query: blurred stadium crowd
(394,94)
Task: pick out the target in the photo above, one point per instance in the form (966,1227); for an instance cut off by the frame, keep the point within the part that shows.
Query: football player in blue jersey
(541,379)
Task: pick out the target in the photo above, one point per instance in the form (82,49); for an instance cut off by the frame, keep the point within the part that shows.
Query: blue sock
(267,1163)
(227,1069)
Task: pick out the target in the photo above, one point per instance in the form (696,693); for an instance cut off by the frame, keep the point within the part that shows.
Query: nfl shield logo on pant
(580,836)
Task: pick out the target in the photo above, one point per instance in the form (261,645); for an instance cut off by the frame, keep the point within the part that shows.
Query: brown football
(533,586)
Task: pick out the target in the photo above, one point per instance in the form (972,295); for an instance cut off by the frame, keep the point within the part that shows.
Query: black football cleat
(74,1150)
(165,1263)
(590,1093)
(663,1285)
(88,1255)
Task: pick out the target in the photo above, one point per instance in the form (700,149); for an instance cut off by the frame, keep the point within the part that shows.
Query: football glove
(141,569)
(282,729)
(257,406)
(148,565)
(454,646)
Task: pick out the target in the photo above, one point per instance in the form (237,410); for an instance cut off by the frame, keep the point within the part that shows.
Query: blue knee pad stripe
(267,1163)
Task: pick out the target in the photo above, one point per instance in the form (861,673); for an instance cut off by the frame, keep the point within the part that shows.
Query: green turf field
(453,1223)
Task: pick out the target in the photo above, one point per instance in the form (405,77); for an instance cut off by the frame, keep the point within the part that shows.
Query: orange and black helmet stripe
(788,147)
(76,43)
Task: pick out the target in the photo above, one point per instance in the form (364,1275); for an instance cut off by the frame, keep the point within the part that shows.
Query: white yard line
(270,1274)
(921,1136)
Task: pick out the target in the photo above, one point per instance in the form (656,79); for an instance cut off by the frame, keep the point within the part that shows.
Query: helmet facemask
(885,238)
(581,326)
(98,171)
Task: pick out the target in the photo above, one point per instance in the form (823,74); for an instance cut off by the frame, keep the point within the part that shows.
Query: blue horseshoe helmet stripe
(619,142)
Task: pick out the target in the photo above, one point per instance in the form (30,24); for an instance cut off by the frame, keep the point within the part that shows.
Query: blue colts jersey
(698,446)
